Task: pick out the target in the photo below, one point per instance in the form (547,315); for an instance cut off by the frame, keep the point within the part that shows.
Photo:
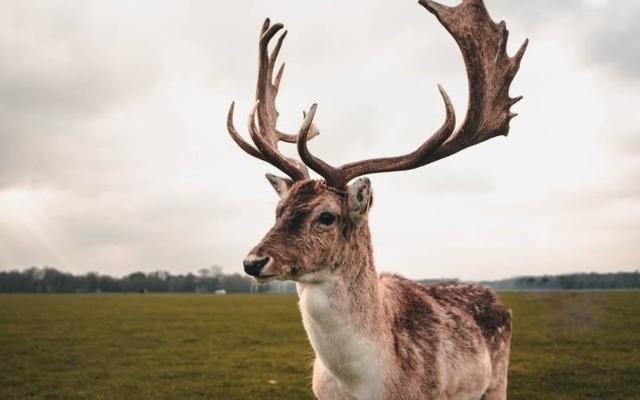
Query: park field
(566,345)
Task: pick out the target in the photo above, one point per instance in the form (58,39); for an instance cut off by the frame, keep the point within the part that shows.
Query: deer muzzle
(254,265)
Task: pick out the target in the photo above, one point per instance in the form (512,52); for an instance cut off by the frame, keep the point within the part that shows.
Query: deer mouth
(265,278)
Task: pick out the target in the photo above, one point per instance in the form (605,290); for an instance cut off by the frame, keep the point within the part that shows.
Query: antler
(490,72)
(265,135)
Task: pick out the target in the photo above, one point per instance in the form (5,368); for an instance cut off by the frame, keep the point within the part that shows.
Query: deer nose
(253,265)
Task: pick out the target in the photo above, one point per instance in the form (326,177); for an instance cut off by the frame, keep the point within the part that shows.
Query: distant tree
(50,279)
(216,271)
(236,283)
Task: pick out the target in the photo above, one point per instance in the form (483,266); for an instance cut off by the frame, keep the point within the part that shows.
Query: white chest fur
(350,357)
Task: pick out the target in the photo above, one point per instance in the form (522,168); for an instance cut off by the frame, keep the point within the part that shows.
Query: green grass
(565,346)
(575,345)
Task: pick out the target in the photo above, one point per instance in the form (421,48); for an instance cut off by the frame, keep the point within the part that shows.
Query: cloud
(59,76)
(629,144)
(606,31)
(614,40)
(59,59)
(114,154)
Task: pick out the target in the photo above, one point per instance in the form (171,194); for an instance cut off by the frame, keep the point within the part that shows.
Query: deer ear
(281,185)
(359,199)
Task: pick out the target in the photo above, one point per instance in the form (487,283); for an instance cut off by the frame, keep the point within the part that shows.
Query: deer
(381,336)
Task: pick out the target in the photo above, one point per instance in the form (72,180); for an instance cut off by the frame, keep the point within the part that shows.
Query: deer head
(320,222)
(316,229)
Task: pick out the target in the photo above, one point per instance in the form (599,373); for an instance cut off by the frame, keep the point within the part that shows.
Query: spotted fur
(380,336)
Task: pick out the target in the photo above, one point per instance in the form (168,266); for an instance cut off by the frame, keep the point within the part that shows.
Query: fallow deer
(383,336)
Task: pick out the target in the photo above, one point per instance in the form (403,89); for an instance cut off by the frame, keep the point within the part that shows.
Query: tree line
(579,281)
(52,280)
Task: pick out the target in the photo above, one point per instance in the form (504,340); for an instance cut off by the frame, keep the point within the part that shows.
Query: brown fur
(467,315)
(426,334)
(384,337)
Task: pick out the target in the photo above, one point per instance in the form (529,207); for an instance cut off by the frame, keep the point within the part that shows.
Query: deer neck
(342,314)
(349,286)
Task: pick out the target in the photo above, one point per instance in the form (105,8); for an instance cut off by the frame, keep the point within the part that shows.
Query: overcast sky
(114,155)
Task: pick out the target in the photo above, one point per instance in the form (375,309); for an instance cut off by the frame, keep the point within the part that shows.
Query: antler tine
(268,87)
(313,132)
(339,177)
(329,173)
(490,72)
(291,167)
(238,139)
(411,160)
(265,135)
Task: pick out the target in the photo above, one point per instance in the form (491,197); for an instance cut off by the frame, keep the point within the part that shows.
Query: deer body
(381,361)
(383,337)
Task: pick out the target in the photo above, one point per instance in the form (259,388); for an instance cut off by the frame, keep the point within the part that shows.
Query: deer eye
(326,218)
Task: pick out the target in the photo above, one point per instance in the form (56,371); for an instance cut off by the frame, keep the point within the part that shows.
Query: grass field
(102,346)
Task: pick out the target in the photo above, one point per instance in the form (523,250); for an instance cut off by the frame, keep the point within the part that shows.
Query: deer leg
(497,392)
(500,360)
